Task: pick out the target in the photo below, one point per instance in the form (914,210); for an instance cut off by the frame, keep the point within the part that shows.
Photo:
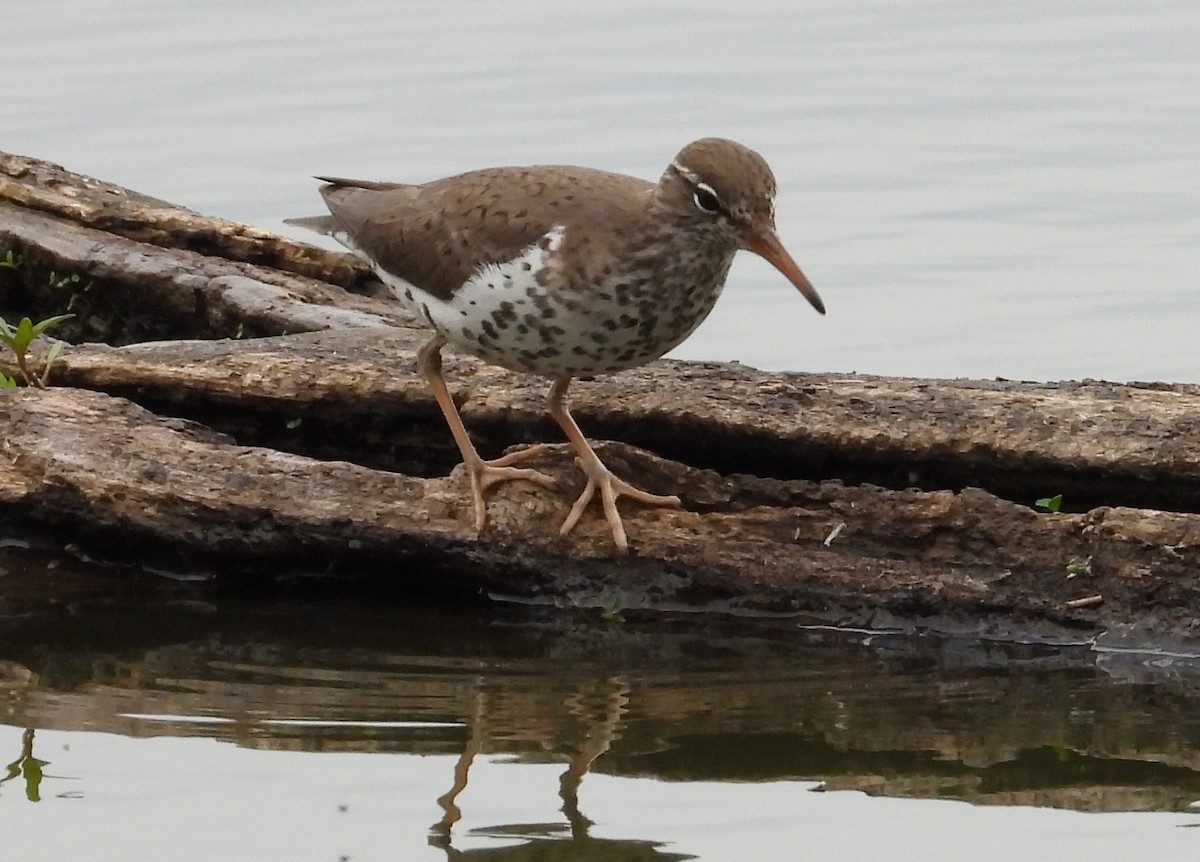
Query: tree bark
(851,499)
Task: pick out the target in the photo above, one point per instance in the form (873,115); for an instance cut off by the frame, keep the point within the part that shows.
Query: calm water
(977,189)
(143,718)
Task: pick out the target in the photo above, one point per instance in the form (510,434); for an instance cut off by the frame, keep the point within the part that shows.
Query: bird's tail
(321,224)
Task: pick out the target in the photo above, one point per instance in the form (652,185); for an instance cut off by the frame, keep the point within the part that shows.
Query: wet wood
(854,499)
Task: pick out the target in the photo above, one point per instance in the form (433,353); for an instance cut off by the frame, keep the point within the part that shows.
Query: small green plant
(71,284)
(18,338)
(610,613)
(7,382)
(12,260)
(64,282)
(1050,504)
(1079,567)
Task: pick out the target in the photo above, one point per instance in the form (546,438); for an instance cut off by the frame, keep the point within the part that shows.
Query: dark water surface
(314,723)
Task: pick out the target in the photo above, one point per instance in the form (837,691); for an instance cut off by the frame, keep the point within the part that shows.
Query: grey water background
(977,189)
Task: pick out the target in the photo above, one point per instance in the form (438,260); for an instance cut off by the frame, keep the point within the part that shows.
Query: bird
(562,272)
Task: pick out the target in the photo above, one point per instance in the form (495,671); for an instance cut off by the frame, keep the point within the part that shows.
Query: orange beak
(764,242)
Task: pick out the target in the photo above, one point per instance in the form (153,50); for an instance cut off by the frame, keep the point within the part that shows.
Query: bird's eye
(706,199)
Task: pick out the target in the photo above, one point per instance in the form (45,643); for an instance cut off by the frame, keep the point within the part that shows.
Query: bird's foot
(486,474)
(611,487)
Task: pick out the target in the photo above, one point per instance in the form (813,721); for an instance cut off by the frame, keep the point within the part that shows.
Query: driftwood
(852,499)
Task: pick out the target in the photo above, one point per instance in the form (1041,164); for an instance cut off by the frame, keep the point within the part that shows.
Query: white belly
(506,316)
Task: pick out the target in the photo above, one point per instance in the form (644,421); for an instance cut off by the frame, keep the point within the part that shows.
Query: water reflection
(595,742)
(680,700)
(571,841)
(27,768)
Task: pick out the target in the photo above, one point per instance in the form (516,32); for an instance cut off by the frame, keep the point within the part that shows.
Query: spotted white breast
(506,315)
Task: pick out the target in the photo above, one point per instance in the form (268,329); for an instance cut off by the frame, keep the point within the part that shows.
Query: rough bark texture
(854,499)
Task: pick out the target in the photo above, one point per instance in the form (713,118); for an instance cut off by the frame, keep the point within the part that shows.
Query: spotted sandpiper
(563,272)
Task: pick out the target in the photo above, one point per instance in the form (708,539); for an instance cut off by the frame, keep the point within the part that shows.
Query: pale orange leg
(598,476)
(484,474)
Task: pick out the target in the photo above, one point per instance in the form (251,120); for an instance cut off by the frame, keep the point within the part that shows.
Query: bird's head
(727,192)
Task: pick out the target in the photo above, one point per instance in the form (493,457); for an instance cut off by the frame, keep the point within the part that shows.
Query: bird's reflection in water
(26,766)
(547,842)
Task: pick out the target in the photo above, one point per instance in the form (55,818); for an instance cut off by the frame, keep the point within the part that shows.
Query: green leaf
(1050,504)
(23,336)
(1079,567)
(18,338)
(7,382)
(42,325)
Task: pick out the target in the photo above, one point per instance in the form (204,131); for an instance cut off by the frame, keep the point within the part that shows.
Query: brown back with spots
(437,235)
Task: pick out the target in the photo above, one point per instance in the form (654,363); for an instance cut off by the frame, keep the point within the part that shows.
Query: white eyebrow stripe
(691,176)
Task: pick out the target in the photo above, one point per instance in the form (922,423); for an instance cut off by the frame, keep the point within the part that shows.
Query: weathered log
(1105,444)
(747,543)
(839,496)
(115,211)
(131,267)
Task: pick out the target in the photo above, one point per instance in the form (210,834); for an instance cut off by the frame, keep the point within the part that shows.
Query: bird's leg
(598,476)
(484,474)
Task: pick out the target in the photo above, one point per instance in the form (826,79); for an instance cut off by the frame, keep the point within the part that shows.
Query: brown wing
(436,235)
